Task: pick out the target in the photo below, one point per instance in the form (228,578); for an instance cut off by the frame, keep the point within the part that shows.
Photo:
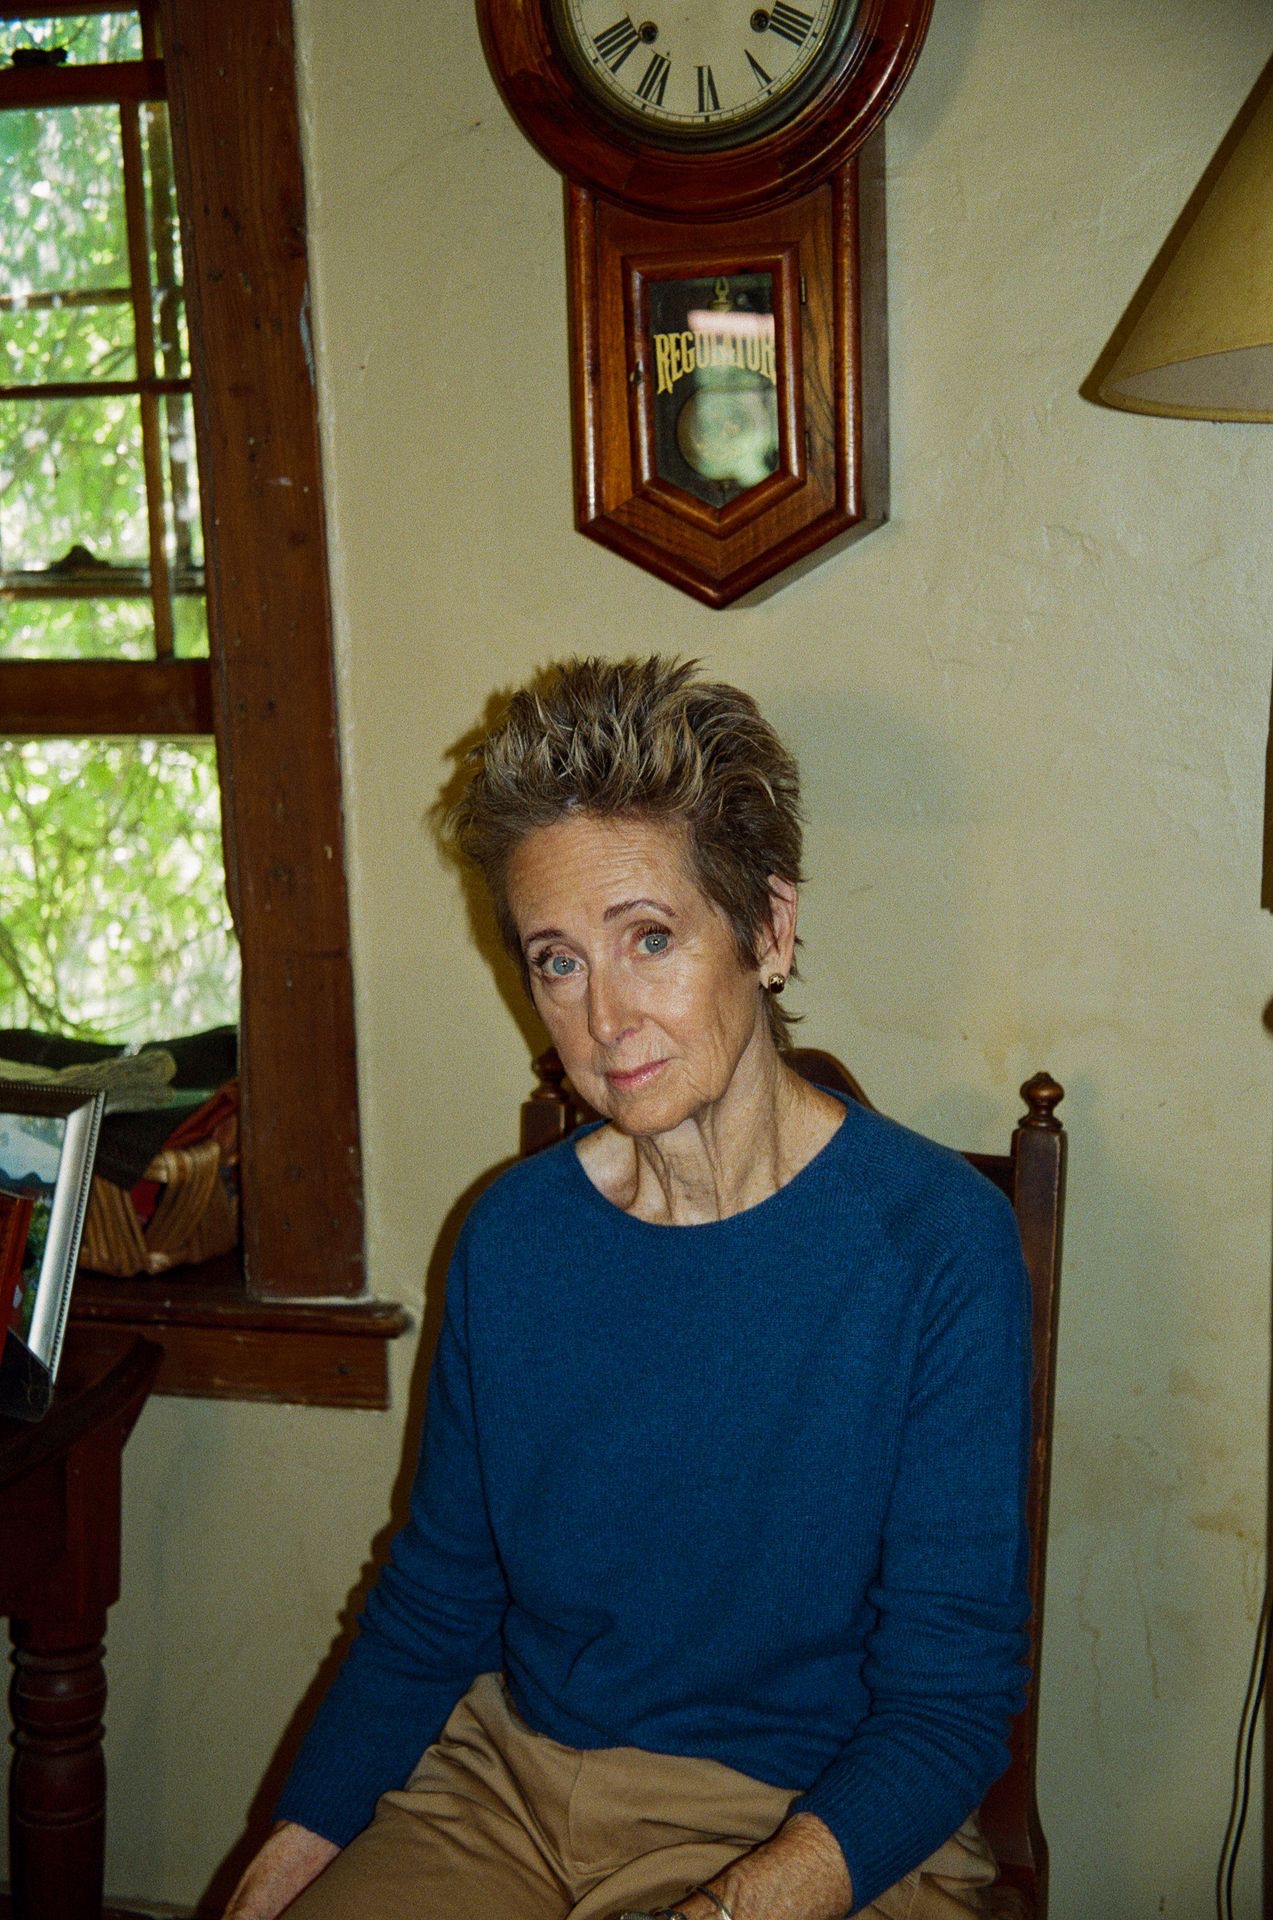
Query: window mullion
(152,448)
(72,86)
(91,389)
(50,699)
(168,297)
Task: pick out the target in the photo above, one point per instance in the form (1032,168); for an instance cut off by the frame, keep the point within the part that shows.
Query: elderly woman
(711,1600)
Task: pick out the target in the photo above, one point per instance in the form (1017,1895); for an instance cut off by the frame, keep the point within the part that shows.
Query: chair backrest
(1032,1174)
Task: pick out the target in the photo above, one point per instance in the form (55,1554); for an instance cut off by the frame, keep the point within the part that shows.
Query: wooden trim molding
(166,699)
(86,86)
(221,1344)
(236,148)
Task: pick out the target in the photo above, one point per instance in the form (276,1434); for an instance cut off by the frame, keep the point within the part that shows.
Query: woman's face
(634,970)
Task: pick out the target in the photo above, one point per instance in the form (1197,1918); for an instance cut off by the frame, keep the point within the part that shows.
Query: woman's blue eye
(560,965)
(655,941)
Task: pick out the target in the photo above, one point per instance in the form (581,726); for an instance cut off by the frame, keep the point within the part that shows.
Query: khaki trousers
(499,1823)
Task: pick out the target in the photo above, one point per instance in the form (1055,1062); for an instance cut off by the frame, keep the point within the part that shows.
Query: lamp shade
(1201,347)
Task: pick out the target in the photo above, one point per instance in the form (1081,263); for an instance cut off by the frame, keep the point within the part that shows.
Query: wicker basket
(196,1216)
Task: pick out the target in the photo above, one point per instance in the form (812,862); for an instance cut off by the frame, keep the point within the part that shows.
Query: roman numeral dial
(791,23)
(654,80)
(702,69)
(616,43)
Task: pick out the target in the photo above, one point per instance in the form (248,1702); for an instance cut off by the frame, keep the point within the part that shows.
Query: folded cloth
(206,1059)
(132,1083)
(214,1118)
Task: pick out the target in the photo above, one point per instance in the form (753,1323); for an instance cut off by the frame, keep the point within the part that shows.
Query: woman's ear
(779,952)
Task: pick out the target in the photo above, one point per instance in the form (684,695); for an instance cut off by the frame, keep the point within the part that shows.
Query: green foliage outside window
(113,916)
(72,469)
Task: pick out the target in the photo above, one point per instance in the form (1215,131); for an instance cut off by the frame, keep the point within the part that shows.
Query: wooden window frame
(292,1321)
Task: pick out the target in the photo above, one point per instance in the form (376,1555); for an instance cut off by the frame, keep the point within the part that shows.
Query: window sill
(221,1343)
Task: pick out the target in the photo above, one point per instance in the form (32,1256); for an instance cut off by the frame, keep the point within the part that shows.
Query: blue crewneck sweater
(751,1490)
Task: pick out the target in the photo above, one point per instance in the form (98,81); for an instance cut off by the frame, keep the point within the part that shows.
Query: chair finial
(1042,1094)
(551,1076)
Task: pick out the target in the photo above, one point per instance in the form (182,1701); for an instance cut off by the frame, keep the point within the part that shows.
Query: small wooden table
(59,1573)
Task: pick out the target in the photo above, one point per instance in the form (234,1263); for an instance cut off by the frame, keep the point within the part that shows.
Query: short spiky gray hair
(640,739)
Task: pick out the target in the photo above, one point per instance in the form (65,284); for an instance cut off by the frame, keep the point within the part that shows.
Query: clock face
(702,72)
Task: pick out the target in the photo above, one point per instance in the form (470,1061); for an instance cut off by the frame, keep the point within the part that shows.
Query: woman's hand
(284,1867)
(798,1875)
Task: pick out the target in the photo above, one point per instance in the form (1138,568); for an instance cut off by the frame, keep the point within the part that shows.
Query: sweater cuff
(873,1837)
(326,1802)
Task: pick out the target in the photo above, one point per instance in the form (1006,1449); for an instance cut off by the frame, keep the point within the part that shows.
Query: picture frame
(48,1143)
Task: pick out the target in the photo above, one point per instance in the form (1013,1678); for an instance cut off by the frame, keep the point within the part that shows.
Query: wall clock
(724,174)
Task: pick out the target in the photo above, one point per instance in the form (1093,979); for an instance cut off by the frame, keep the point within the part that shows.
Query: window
(264,686)
(114,918)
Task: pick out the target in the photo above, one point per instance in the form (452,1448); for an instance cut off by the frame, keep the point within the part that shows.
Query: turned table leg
(59,1573)
(58,1779)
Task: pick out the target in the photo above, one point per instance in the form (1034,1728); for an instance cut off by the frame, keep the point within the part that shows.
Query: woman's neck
(731,1156)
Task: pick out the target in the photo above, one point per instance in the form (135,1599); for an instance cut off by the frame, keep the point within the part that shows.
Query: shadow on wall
(261,1811)
(485,935)
(891,912)
(483,929)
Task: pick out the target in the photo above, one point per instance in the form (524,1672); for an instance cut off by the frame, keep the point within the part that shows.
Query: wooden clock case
(802,201)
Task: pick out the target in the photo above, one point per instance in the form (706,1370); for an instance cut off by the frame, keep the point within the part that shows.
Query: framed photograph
(48,1139)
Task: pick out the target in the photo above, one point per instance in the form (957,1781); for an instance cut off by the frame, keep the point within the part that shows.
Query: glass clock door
(712,355)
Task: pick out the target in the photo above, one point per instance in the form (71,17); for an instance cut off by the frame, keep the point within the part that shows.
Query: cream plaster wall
(1030,713)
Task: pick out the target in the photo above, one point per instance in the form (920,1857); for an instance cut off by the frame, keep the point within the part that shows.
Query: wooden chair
(1032,1174)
